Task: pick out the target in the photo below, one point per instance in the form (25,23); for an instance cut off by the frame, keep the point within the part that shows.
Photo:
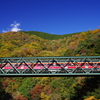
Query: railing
(50,66)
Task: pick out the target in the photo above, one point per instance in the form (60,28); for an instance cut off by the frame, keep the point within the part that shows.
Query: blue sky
(50,16)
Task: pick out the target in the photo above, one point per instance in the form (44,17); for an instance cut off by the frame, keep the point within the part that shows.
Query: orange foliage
(35,92)
(21,97)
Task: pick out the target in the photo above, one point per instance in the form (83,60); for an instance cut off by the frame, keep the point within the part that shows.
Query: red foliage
(13,80)
(36,91)
(47,90)
(4,84)
(21,97)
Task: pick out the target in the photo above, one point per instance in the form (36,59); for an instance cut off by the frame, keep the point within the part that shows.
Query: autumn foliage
(35,92)
(30,44)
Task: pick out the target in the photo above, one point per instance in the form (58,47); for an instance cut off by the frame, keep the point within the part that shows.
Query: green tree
(26,85)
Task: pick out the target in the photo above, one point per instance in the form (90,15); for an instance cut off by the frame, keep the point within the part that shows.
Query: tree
(21,97)
(3,94)
(91,98)
(26,85)
(44,97)
(35,92)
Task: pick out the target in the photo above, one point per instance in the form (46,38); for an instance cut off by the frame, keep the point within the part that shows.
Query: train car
(49,66)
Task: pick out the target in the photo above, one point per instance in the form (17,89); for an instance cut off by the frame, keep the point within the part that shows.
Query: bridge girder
(50,66)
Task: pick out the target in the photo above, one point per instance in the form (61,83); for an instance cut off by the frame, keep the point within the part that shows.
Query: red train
(50,66)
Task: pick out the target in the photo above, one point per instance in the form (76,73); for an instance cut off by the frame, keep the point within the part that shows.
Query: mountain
(47,35)
(23,44)
(28,44)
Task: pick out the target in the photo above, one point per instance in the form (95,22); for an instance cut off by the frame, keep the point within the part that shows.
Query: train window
(39,65)
(98,63)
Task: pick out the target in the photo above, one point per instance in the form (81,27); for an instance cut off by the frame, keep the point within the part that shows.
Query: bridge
(50,66)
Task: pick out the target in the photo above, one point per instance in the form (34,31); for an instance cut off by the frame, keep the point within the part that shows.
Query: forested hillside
(30,44)
(22,44)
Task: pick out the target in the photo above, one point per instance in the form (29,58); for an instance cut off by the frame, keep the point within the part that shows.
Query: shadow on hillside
(90,84)
(4,95)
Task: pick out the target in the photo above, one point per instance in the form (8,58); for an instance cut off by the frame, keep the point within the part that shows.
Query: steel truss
(50,66)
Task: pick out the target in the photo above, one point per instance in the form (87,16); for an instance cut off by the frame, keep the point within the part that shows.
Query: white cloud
(14,27)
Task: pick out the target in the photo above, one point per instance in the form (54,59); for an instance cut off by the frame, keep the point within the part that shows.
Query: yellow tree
(91,98)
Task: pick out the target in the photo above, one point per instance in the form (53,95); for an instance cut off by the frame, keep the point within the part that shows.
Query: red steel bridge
(50,66)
